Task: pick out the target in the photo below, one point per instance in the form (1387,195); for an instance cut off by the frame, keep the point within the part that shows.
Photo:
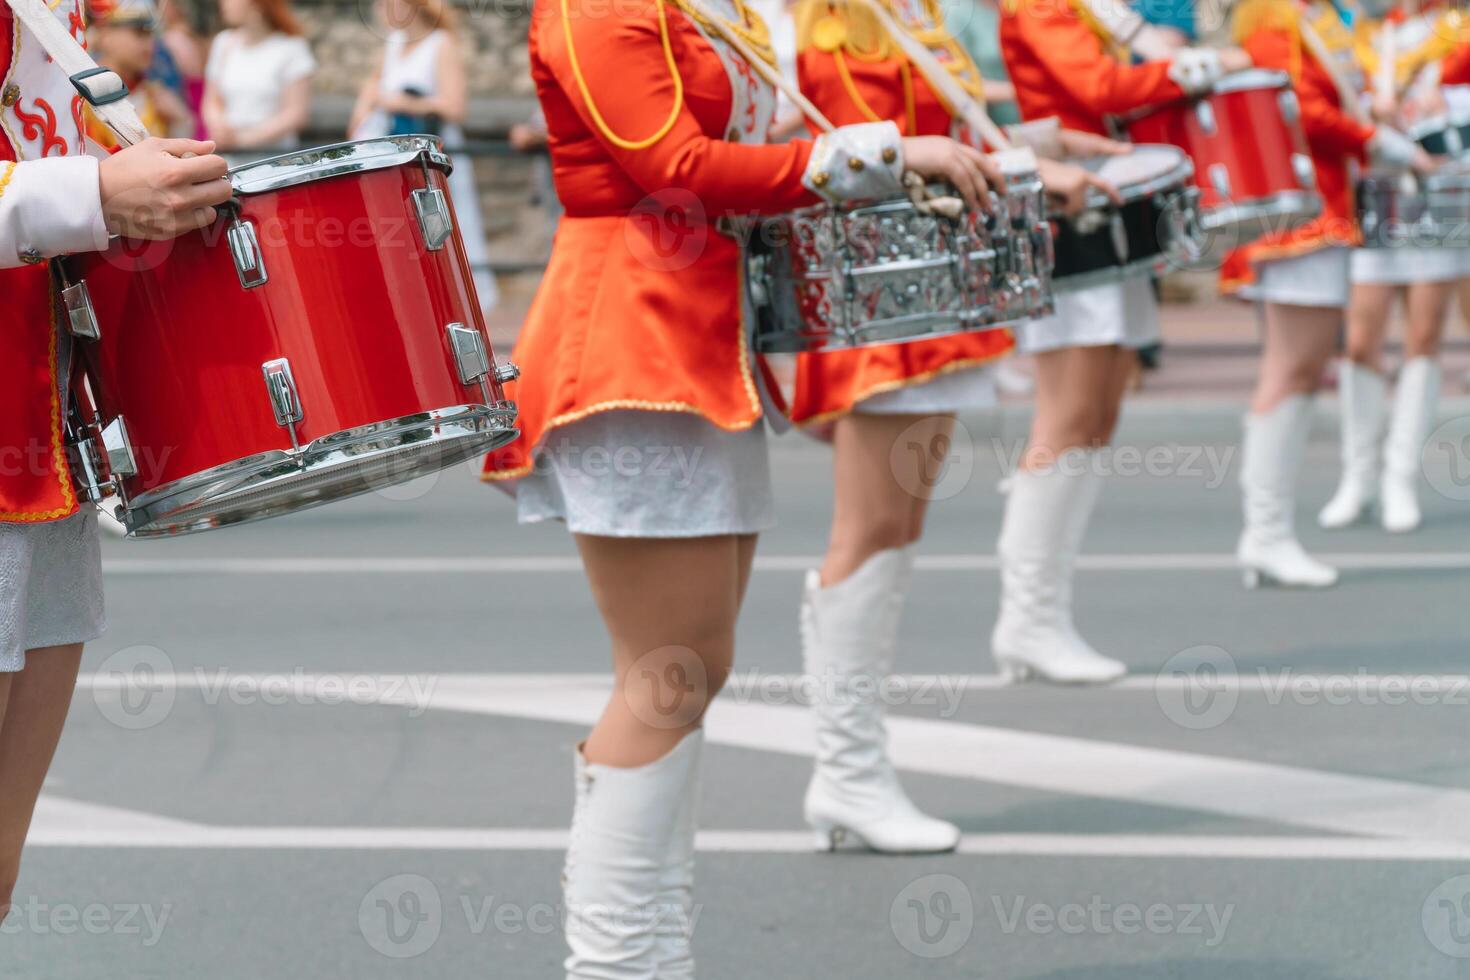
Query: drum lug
(1119,233)
(245,249)
(470,356)
(1205,113)
(1306,171)
(1220,180)
(118,450)
(435,224)
(1290,108)
(280,386)
(81,319)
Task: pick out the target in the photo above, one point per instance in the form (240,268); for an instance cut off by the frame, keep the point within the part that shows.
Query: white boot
(1362,395)
(674,953)
(624,830)
(1045,520)
(1270,457)
(849,631)
(1403,451)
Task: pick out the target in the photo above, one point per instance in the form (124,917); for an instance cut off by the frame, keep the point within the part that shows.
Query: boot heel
(827,836)
(1251,577)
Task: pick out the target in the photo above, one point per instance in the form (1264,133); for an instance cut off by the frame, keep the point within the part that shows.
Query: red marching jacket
(1061,66)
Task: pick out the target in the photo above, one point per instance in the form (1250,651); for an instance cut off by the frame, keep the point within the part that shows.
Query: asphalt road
(338,745)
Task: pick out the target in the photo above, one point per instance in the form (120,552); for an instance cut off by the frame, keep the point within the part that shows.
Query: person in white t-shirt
(257,81)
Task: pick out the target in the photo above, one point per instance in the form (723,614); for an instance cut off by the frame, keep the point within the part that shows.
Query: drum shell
(1251,162)
(355,301)
(1156,228)
(1423,212)
(835,277)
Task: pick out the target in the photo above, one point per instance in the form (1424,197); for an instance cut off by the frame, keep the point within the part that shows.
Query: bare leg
(34,706)
(1078,394)
(884,467)
(670,606)
(1368,313)
(1429,305)
(1298,346)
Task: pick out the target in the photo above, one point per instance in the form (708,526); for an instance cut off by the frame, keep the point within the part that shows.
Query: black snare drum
(1156,228)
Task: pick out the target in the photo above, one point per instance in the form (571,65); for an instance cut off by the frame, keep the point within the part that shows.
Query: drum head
(320,162)
(1253,78)
(1148,169)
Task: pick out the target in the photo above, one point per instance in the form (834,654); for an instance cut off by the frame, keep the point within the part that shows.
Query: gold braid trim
(851,30)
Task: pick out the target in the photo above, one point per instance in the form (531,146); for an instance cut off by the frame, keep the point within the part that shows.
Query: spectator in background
(178,60)
(976,25)
(419,86)
(257,81)
(122,39)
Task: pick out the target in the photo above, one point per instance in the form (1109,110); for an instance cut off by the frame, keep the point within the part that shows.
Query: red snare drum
(1250,158)
(322,339)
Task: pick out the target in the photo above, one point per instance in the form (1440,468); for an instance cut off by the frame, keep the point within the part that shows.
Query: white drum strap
(103,90)
(1346,94)
(939,78)
(762,67)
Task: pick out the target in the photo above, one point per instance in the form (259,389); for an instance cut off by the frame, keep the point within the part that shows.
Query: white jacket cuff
(49,207)
(859,162)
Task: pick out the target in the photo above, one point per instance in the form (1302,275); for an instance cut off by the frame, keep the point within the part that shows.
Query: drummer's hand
(1067,185)
(1235,59)
(971,172)
(160,189)
(1385,108)
(1076,143)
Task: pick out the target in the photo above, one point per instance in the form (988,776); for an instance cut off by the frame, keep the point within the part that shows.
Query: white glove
(1196,70)
(1391,148)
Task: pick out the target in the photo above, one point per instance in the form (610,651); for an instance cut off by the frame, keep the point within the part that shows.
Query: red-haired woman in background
(257,83)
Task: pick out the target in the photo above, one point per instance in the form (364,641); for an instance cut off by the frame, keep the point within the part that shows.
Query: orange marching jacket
(655,129)
(49,205)
(1064,66)
(853,72)
(1271,31)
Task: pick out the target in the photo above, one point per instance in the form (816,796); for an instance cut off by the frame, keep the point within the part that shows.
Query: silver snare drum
(1400,210)
(837,277)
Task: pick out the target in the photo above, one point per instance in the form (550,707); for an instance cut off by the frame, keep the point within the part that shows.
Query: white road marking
(750,685)
(535,564)
(1287,795)
(194,836)
(1404,821)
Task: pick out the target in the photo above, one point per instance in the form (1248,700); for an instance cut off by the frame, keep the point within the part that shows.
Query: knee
(1362,352)
(1303,377)
(673,686)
